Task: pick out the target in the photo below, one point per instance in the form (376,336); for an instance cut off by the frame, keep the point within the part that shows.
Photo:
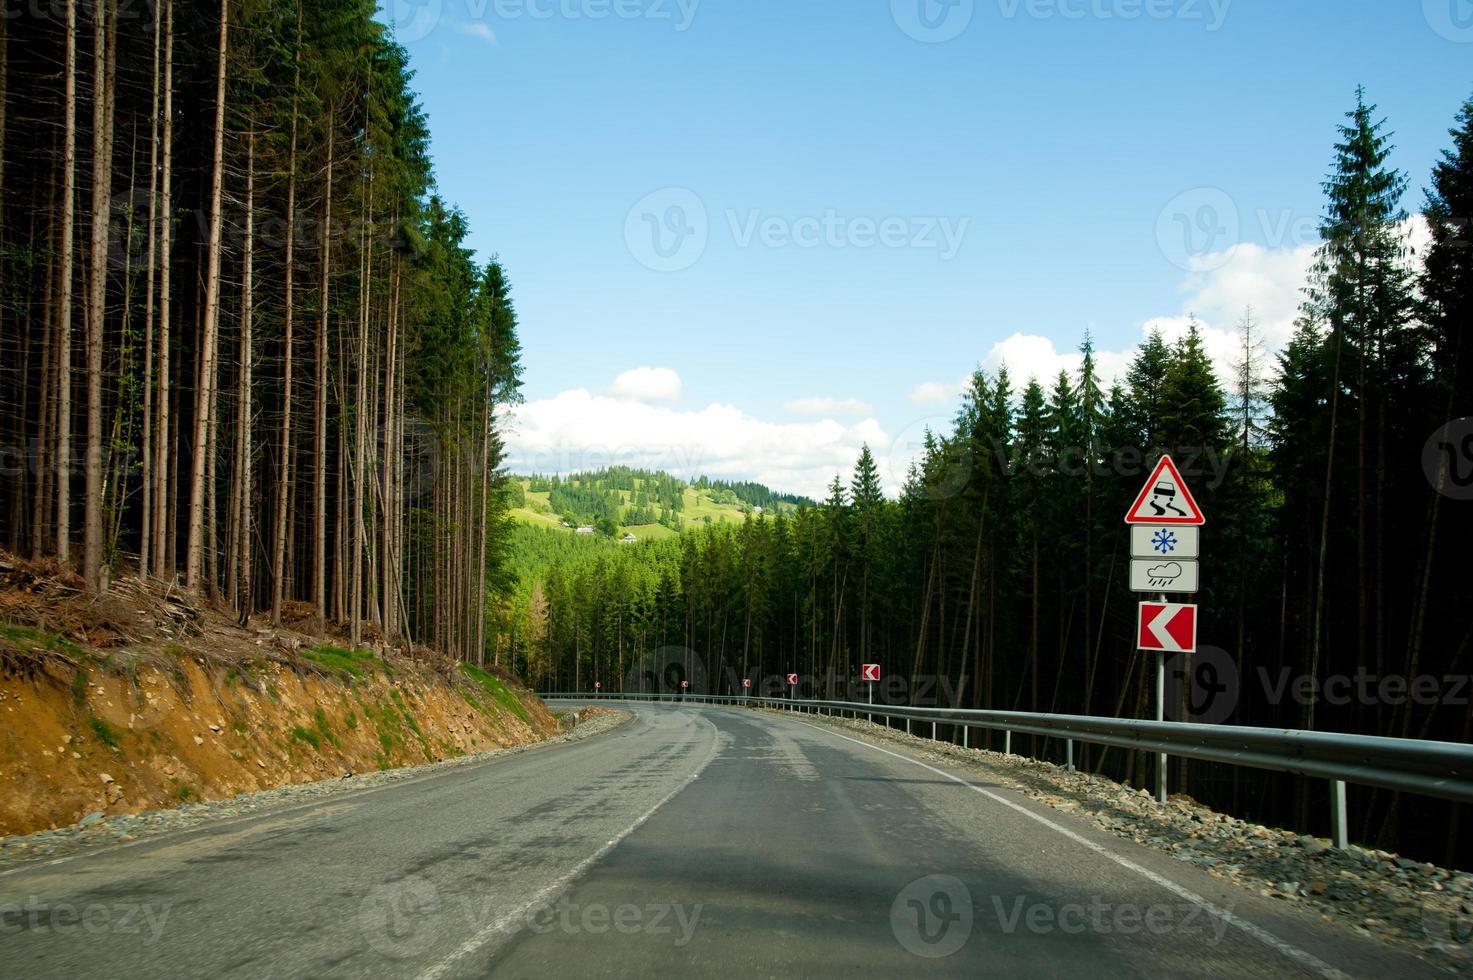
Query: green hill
(622,501)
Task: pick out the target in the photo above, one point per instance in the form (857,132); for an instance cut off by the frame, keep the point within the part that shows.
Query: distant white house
(585,529)
(629,539)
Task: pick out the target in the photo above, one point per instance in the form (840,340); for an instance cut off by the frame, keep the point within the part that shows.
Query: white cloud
(1030,356)
(842,407)
(938,392)
(577,430)
(647,384)
(1271,281)
(479,29)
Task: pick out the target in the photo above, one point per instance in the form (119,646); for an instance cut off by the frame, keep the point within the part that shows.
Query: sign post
(746,687)
(792,688)
(1165,545)
(870,673)
(597,687)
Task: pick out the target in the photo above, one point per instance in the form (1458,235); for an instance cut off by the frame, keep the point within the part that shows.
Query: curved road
(693,841)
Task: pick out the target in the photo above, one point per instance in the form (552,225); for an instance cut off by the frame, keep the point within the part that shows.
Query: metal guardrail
(1420,767)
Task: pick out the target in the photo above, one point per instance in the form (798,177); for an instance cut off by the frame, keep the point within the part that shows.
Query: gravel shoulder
(98,830)
(1404,903)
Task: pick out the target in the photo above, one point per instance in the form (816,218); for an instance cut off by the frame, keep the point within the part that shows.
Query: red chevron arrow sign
(1169,627)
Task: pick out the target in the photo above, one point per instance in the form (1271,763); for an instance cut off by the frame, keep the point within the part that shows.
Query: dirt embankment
(141,700)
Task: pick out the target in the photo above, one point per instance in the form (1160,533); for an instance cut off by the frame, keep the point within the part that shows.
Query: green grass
(350,663)
(106,734)
(320,723)
(500,694)
(388,728)
(699,509)
(300,734)
(25,638)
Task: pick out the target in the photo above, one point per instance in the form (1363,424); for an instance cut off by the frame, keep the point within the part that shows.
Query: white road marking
(1303,958)
(505,921)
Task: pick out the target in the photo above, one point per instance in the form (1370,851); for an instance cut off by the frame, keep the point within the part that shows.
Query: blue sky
(855,210)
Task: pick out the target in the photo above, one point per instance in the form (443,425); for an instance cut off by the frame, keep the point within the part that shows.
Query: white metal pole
(1161,716)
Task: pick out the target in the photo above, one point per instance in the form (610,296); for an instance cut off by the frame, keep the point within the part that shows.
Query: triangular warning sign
(1165,499)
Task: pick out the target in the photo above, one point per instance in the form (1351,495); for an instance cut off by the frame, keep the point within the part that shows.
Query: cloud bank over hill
(637,420)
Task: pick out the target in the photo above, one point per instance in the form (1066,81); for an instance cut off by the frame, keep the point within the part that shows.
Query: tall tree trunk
(102,111)
(205,396)
(284,462)
(319,444)
(163,467)
(64,299)
(1324,542)
(244,411)
(145,536)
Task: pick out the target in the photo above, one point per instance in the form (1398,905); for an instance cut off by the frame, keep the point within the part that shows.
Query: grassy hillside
(649,506)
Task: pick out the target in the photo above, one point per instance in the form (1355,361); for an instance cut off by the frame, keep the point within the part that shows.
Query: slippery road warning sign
(1165,499)
(1169,627)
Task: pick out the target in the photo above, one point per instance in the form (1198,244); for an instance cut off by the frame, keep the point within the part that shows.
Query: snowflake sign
(1164,541)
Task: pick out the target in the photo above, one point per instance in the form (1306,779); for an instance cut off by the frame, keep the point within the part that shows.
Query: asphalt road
(693,841)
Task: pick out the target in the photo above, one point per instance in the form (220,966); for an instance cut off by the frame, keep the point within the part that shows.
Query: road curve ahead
(693,841)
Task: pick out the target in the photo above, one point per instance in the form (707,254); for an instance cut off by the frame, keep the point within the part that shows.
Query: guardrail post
(907,726)
(1069,755)
(1338,832)
(1007,742)
(965,733)
(933,731)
